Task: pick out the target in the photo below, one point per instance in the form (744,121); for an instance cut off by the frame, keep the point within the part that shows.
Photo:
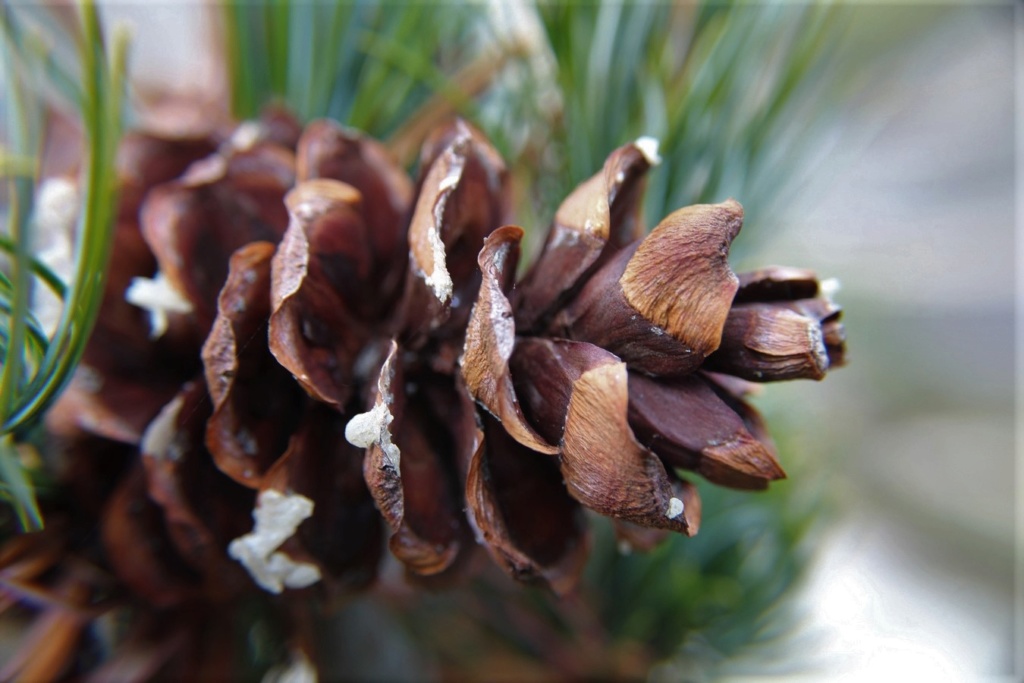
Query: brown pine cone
(331,346)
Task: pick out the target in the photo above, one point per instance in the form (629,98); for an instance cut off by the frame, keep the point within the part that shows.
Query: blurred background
(916,216)
(875,143)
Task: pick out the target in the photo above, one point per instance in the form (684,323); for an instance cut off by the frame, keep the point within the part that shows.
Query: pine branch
(37,367)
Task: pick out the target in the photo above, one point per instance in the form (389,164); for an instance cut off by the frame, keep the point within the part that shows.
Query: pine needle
(36,367)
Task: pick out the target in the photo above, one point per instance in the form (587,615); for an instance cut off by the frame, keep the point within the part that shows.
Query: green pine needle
(720,86)
(362,63)
(37,367)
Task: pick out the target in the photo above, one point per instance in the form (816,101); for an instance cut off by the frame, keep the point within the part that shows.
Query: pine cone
(366,357)
(603,368)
